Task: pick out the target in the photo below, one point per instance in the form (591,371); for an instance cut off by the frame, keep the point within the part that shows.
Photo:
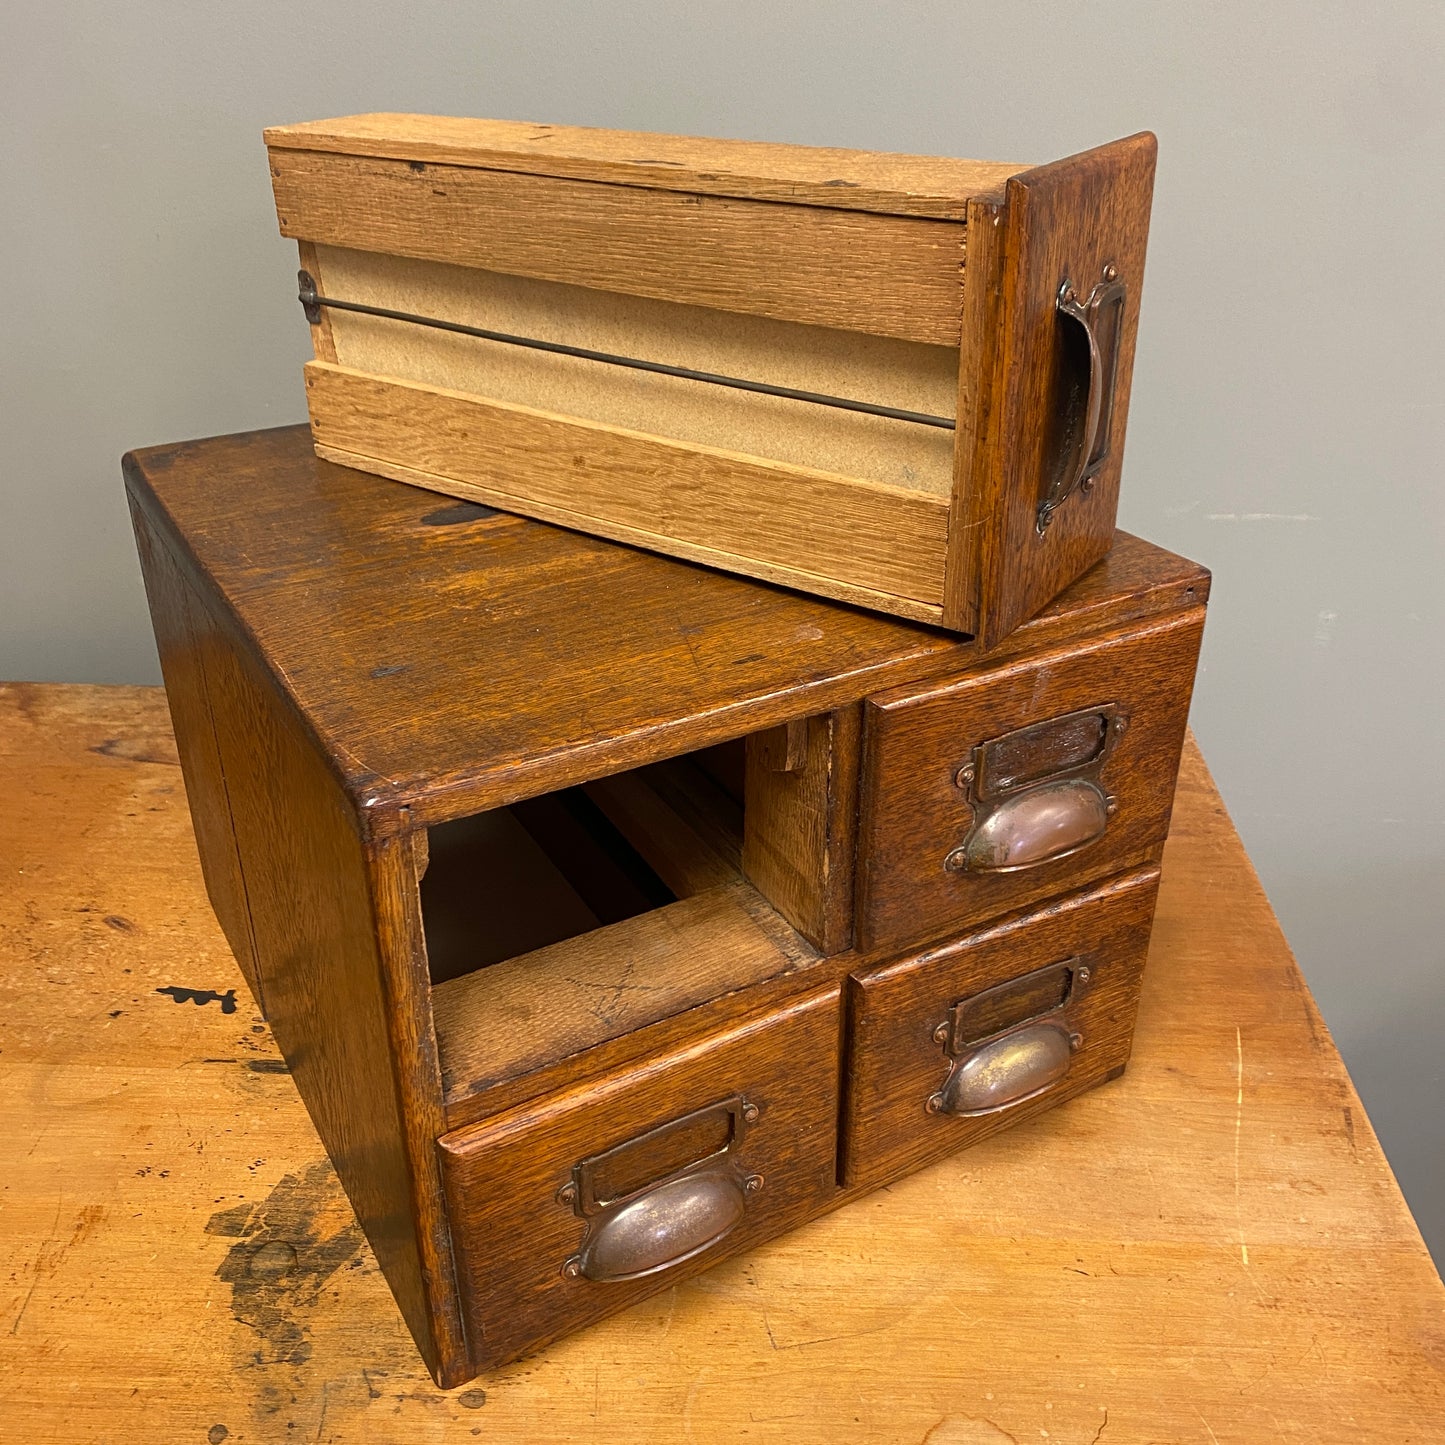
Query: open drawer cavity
(565,921)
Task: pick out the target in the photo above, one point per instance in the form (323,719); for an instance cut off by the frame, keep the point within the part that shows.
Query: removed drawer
(899,381)
(952,1045)
(984,795)
(569,1209)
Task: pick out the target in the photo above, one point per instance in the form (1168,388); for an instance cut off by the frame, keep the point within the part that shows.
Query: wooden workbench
(1212,1249)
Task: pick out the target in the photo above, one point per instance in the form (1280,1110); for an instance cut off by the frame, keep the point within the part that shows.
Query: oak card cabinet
(614,914)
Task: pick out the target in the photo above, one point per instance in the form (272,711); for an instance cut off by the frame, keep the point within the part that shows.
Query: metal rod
(313,302)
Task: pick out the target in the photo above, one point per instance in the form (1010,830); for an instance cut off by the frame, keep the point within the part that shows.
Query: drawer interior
(570,919)
(882,370)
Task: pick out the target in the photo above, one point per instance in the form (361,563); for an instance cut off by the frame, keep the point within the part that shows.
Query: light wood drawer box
(952,1045)
(573,1207)
(989,309)
(1021,781)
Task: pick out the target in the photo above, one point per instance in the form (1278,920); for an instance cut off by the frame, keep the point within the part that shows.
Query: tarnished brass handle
(662,1227)
(1007,1070)
(662,1196)
(1034,826)
(1099,323)
(1034,794)
(1012,1041)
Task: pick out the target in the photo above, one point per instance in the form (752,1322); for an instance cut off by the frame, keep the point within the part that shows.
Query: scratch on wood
(1238,1130)
(43,1264)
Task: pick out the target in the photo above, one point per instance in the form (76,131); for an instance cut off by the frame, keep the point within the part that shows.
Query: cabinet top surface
(908,185)
(450,658)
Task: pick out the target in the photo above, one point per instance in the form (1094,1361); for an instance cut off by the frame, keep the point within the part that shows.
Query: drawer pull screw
(1076,1041)
(750,1113)
(957,861)
(1084,974)
(572,1269)
(567,1194)
(935,1104)
(964,776)
(753,1183)
(940,1034)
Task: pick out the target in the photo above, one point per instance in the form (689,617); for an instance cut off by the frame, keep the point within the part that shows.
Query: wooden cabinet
(586,889)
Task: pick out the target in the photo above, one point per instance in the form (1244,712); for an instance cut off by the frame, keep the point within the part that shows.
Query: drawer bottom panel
(570,1208)
(952,1045)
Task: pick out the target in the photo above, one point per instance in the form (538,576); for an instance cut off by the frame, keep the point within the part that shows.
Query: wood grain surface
(895,1063)
(877,369)
(913,813)
(740,513)
(853,180)
(886,275)
(503,1174)
(800,823)
(1070,219)
(544,1006)
(1210,1250)
(482,604)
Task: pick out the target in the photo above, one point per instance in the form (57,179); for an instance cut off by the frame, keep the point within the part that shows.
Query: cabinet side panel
(315,925)
(182,638)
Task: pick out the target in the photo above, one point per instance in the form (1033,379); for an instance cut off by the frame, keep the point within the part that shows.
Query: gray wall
(1288,403)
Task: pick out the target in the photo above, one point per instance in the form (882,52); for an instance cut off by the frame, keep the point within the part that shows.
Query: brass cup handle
(1034,826)
(636,1228)
(1008,1069)
(663,1226)
(1099,322)
(989,1071)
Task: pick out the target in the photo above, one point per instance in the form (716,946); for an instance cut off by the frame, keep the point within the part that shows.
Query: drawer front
(1019,783)
(569,1209)
(952,1045)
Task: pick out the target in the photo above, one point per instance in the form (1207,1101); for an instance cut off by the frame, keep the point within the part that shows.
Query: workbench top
(1212,1249)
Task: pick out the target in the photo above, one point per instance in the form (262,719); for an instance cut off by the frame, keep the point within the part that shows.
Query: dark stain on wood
(281,1260)
(159,748)
(460,512)
(201,996)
